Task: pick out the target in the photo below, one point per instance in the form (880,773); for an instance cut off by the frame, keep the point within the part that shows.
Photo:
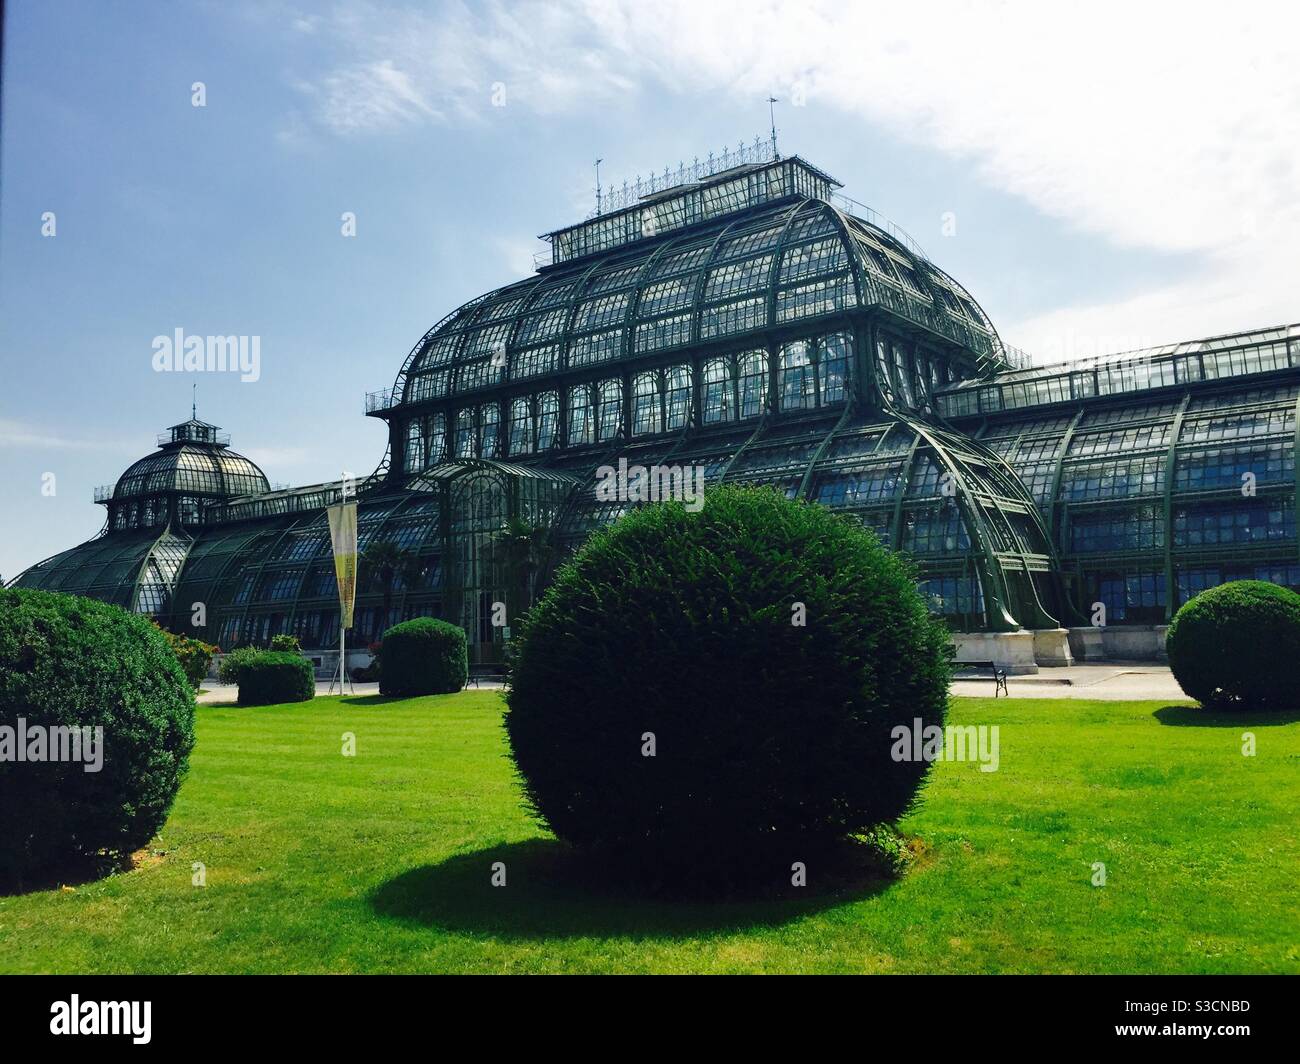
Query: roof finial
(598,162)
(772,101)
(194,401)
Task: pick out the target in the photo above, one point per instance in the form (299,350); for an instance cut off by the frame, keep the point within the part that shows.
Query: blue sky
(1109,190)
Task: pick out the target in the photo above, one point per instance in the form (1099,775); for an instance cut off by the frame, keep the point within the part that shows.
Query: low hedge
(233,663)
(423,656)
(272,676)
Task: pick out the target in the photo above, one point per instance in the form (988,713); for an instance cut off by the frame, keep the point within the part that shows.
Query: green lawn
(381,862)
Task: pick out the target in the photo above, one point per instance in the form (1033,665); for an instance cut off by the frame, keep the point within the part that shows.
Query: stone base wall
(1027,651)
(1129,642)
(1013,651)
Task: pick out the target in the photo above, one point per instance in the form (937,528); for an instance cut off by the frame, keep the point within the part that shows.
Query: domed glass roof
(782,263)
(193,459)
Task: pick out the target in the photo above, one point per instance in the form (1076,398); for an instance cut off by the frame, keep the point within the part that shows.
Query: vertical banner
(343,538)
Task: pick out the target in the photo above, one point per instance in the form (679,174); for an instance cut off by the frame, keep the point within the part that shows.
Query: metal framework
(1160,473)
(755,325)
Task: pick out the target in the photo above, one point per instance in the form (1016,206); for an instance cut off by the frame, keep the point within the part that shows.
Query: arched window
(646,414)
(436,439)
(548,420)
(751,378)
(833,368)
(922,380)
(718,405)
(490,415)
(581,421)
(609,396)
(902,375)
(798,384)
(414,445)
(883,380)
(677,397)
(521,427)
(465,433)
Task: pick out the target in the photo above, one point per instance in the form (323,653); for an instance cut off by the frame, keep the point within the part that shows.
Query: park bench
(485,672)
(995,673)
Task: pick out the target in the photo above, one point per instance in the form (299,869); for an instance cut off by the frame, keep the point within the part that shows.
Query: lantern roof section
(689,196)
(194,431)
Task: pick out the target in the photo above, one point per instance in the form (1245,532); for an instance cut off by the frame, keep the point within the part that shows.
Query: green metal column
(904,478)
(1170,461)
(1295,503)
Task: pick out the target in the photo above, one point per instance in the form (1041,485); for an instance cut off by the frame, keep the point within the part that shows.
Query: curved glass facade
(136,570)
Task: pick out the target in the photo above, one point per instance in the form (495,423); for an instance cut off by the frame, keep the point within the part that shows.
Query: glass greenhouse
(754,325)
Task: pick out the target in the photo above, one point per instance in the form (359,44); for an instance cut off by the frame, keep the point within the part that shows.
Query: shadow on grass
(370,700)
(553,892)
(71,874)
(1200,717)
(383,700)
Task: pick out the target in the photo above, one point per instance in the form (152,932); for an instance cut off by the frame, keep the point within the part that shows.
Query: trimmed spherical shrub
(1237,646)
(69,666)
(764,650)
(423,656)
(273,676)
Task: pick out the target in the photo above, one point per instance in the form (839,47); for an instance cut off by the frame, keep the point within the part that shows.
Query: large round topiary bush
(68,665)
(424,656)
(1237,646)
(679,633)
(271,677)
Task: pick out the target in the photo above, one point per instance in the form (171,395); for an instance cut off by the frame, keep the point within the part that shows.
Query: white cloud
(398,67)
(373,95)
(20,434)
(1167,127)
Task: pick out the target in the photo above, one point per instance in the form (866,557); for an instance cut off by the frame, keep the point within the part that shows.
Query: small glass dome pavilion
(192,469)
(153,511)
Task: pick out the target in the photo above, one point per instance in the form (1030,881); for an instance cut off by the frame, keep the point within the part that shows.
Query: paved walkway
(1108,680)
(213,693)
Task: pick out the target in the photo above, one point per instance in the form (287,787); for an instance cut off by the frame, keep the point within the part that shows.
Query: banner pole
(342,519)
